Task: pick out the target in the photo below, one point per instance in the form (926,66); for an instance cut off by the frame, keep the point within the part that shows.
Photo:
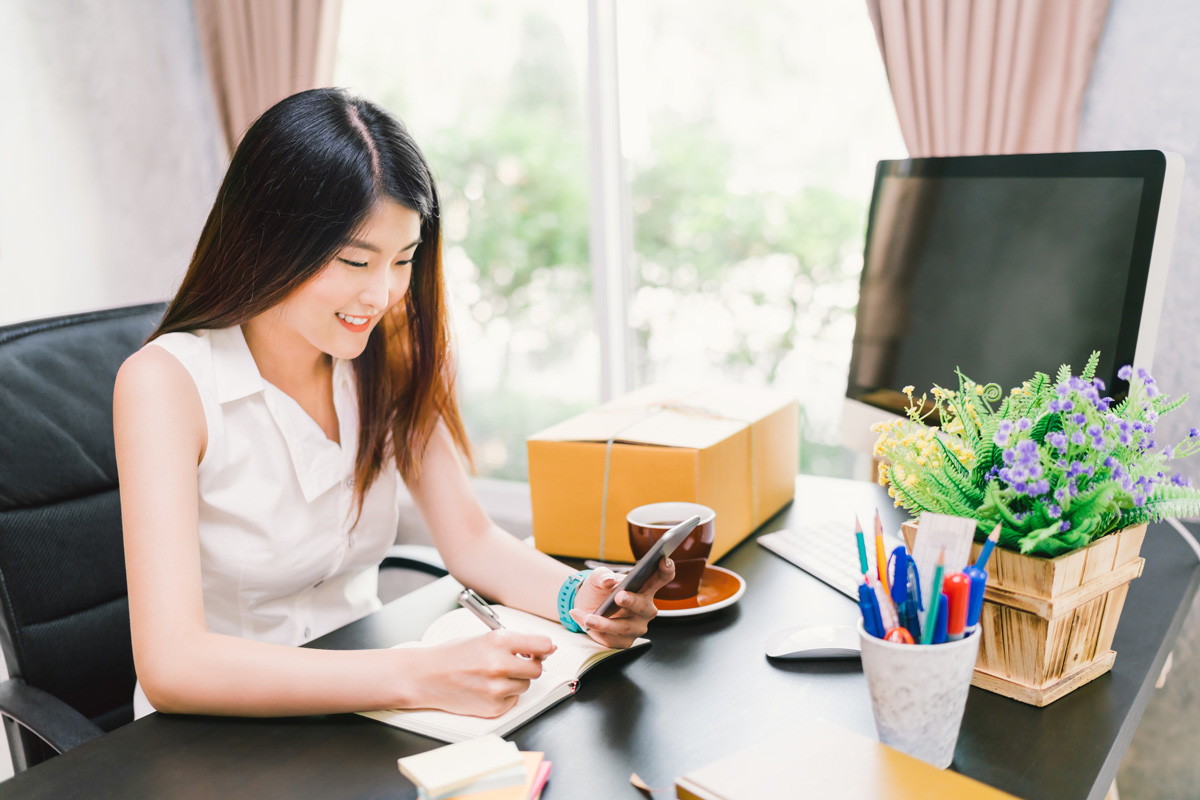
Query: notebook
(576,654)
(822,760)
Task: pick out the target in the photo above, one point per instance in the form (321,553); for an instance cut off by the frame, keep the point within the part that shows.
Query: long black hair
(299,187)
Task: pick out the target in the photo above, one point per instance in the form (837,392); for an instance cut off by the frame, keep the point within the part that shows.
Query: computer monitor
(1006,265)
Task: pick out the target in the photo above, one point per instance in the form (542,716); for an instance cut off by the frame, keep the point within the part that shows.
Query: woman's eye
(402,263)
(353,263)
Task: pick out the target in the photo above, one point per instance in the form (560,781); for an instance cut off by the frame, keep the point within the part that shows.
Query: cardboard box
(732,448)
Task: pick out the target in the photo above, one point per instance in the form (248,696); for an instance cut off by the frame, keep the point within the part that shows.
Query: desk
(703,689)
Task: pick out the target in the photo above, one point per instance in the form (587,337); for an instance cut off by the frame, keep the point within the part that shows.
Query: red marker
(957,588)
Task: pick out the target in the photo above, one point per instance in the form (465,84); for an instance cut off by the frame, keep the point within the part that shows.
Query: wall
(1143,95)
(109,156)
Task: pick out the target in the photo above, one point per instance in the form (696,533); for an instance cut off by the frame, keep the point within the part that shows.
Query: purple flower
(1062,389)
(1110,463)
(1193,433)
(1058,439)
(1077,437)
(1079,418)
(1054,511)
(1060,494)
(1064,526)
(1020,487)
(1009,457)
(1151,390)
(1055,406)
(1094,430)
(1180,480)
(1024,424)
(1144,375)
(1103,403)
(1099,384)
(1125,372)
(1066,405)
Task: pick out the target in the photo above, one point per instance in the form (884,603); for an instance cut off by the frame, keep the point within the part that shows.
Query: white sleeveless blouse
(282,558)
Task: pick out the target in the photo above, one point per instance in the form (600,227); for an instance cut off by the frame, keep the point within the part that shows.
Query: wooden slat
(1051,608)
(1100,558)
(1085,631)
(1114,603)
(1130,545)
(1047,694)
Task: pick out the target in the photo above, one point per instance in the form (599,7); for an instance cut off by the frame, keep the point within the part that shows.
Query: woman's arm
(160,437)
(493,562)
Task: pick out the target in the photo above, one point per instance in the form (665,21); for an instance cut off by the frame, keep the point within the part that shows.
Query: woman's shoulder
(170,363)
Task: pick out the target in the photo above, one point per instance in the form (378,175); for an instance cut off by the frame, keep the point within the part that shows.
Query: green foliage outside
(514,189)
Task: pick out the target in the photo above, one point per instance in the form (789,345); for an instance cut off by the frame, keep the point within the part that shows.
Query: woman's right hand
(482,676)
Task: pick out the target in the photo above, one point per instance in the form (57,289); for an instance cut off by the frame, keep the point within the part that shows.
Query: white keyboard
(827,550)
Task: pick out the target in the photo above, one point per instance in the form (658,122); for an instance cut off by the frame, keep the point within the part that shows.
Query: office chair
(64,608)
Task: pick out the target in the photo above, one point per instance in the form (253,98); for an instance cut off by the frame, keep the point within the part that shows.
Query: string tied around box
(654,409)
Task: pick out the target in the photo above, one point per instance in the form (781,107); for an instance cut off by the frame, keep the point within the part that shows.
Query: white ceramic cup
(918,693)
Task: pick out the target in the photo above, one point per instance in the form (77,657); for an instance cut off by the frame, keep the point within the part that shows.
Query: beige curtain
(261,51)
(974,77)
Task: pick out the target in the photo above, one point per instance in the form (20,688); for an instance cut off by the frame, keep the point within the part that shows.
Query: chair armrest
(415,556)
(47,717)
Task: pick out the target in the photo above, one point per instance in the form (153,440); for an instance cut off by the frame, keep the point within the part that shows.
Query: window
(750,141)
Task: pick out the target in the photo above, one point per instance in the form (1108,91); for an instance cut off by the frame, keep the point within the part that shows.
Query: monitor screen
(1002,266)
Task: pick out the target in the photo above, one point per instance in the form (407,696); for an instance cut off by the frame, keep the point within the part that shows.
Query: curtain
(261,51)
(976,77)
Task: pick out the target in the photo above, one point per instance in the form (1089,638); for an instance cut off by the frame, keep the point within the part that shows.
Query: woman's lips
(355,328)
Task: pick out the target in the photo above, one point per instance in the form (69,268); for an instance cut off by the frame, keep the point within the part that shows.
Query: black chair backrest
(64,626)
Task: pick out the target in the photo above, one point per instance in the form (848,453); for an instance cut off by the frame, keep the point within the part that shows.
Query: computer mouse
(813,642)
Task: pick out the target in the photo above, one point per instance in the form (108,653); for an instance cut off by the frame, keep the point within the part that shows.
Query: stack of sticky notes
(486,768)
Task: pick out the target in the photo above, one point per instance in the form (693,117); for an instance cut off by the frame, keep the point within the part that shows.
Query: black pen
(471,601)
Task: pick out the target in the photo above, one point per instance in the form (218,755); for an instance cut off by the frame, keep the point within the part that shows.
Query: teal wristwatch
(566,599)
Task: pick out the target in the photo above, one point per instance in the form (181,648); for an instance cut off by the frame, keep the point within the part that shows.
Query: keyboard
(827,550)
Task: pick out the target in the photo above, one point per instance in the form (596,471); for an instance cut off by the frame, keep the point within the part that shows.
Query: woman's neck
(283,357)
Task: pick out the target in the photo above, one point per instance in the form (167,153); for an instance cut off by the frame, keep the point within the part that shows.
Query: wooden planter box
(1048,623)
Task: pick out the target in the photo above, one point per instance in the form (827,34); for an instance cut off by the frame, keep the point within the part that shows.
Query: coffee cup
(648,523)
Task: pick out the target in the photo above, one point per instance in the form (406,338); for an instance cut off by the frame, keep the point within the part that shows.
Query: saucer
(719,588)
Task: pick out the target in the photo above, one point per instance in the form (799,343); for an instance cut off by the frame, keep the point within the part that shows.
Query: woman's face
(337,308)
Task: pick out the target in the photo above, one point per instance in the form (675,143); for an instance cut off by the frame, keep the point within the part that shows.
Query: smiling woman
(300,374)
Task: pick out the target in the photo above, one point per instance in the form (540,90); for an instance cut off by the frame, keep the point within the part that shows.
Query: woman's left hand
(635,611)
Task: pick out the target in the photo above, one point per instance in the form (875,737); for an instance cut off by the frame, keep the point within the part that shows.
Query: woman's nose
(375,293)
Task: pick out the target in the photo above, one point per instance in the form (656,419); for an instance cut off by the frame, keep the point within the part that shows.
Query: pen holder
(918,693)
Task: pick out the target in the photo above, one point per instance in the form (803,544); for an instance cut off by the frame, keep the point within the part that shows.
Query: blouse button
(349,483)
(317,584)
(350,540)
(307,632)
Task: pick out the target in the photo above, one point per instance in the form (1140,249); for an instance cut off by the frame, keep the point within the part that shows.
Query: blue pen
(975,598)
(913,606)
(872,620)
(943,617)
(899,577)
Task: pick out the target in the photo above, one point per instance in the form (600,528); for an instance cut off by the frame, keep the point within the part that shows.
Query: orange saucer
(719,588)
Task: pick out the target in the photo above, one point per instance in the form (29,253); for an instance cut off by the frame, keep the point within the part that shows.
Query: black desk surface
(703,689)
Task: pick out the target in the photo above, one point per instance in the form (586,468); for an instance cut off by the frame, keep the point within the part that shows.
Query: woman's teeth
(353,320)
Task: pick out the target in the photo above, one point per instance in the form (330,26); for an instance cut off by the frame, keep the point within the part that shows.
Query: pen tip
(995,534)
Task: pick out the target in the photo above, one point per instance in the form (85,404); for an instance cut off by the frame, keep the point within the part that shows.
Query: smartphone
(636,578)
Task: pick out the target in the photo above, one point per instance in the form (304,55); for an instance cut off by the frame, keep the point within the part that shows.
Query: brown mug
(648,523)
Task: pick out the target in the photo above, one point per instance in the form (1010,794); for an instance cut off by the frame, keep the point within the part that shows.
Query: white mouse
(814,641)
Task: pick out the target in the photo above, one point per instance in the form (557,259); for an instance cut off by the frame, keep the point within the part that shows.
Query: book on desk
(820,759)
(561,671)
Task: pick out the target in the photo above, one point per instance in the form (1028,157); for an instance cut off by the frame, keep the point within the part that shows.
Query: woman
(301,372)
